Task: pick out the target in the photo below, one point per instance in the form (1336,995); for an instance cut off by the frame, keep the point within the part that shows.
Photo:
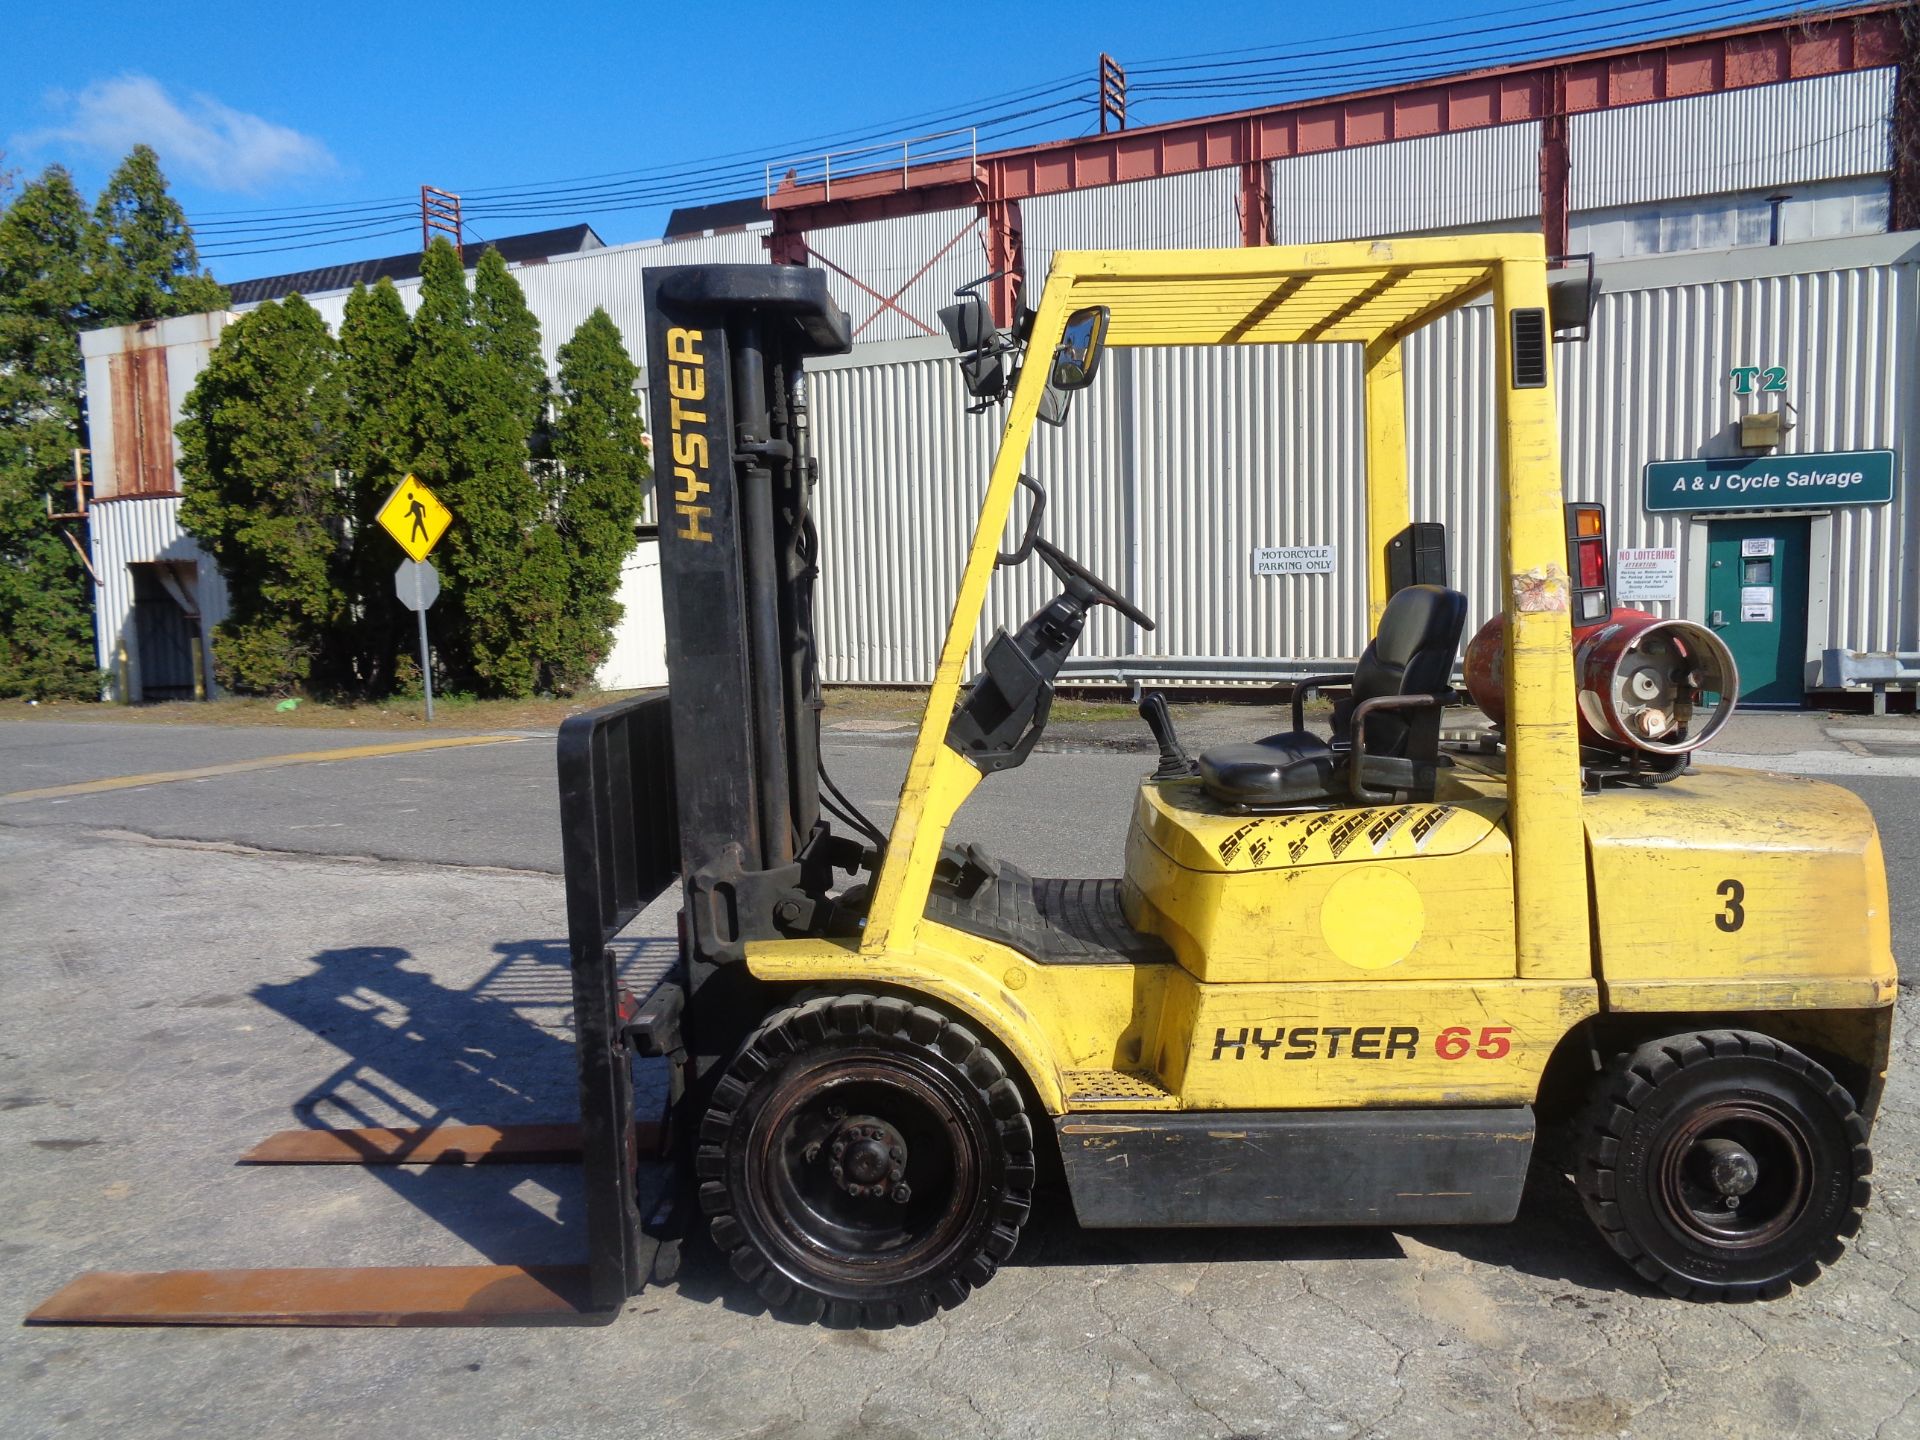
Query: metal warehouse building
(1751,199)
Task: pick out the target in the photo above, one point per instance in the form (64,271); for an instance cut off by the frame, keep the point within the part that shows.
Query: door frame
(1819,575)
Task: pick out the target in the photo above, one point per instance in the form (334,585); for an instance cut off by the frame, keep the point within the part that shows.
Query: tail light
(1587,563)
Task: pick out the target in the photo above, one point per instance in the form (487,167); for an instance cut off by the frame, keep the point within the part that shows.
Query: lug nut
(812,1152)
(901,1194)
(839,1148)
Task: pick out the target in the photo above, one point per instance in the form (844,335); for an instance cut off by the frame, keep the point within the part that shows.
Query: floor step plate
(1116,1090)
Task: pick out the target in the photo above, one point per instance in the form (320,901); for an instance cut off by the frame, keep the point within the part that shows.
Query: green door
(1757,601)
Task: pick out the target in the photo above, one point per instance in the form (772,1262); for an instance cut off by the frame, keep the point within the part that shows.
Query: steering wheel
(1086,586)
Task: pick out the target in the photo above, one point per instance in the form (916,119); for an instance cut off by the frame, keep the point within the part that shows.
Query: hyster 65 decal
(1364,1042)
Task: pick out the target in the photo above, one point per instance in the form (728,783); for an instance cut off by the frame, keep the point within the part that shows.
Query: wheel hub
(1732,1170)
(867,1156)
(1736,1175)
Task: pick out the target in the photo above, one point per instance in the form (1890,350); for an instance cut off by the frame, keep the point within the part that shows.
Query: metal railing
(902,156)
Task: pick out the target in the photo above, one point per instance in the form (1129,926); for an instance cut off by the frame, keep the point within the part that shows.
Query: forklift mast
(738,558)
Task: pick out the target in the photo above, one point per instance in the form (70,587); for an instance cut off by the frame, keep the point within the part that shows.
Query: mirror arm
(1032,532)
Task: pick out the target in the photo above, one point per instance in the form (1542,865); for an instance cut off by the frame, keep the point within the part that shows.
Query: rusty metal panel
(453,1295)
(123,478)
(156,424)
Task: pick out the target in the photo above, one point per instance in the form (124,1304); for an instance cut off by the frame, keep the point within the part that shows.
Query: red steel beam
(1736,58)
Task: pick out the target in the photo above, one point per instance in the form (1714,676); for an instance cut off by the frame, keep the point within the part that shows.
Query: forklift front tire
(865,1160)
(1724,1165)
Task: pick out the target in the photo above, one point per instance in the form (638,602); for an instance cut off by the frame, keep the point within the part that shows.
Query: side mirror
(1077,360)
(1054,404)
(1572,294)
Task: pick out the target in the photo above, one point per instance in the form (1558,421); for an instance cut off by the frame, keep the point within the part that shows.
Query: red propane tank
(1643,683)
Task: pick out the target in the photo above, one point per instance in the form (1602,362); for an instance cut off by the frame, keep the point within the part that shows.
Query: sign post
(414,516)
(417,584)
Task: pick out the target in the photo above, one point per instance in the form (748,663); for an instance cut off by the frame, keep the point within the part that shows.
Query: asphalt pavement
(188,964)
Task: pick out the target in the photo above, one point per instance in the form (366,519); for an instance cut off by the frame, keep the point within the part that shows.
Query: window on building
(1824,210)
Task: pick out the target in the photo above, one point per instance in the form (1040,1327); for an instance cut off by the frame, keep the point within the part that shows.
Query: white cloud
(198,137)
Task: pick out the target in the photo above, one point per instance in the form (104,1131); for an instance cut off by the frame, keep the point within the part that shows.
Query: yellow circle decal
(1372,917)
(1015,977)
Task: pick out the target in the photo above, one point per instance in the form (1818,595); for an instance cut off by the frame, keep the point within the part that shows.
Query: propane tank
(1642,682)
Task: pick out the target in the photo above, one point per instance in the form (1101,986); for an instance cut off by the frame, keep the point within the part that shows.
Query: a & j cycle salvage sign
(1771,482)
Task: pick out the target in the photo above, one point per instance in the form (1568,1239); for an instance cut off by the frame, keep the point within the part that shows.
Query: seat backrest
(1412,654)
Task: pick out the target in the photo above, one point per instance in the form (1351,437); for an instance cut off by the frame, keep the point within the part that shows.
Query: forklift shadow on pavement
(427,1057)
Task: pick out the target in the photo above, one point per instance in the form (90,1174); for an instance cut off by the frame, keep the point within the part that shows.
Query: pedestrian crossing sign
(415,517)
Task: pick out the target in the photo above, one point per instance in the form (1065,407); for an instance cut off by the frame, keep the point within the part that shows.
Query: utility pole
(440,211)
(1113,93)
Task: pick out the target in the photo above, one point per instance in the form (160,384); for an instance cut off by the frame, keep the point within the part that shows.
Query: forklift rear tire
(1724,1165)
(865,1161)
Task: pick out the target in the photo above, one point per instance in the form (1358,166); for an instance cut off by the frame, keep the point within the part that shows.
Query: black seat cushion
(1411,655)
(1274,771)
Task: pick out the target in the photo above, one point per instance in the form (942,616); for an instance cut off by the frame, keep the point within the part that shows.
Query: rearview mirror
(1077,360)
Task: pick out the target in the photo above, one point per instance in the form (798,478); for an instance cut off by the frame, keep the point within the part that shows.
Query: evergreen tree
(145,262)
(506,333)
(46,627)
(376,352)
(471,416)
(260,442)
(598,487)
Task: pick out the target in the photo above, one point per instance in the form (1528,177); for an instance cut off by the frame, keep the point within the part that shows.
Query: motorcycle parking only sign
(1293,559)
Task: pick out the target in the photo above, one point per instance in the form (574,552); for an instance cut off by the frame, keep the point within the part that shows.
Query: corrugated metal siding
(562,293)
(1435,182)
(1169,471)
(1652,384)
(130,532)
(887,255)
(1199,211)
(1177,463)
(1825,128)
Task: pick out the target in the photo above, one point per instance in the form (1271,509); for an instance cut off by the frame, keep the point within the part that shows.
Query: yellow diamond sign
(415,517)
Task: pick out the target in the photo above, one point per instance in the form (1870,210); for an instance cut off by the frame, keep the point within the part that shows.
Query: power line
(1268,75)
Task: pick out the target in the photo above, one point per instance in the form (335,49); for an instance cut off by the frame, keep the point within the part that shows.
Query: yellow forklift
(1346,977)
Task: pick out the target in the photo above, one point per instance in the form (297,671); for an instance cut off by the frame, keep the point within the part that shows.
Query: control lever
(1174,764)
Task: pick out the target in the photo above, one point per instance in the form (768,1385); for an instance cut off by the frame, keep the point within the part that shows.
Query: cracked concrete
(163,1006)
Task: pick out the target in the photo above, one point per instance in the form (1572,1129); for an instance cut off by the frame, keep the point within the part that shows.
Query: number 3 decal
(1734,915)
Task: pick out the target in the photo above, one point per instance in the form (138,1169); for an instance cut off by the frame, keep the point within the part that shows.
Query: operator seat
(1407,667)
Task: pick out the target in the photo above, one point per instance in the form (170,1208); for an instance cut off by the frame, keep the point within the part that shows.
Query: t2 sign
(1767,379)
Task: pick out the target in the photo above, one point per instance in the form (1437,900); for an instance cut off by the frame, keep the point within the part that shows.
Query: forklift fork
(621,843)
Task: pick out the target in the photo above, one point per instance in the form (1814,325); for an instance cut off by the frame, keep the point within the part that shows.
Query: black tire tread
(1625,1085)
(849,1016)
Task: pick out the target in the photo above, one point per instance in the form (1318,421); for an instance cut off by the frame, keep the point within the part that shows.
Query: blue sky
(262,111)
